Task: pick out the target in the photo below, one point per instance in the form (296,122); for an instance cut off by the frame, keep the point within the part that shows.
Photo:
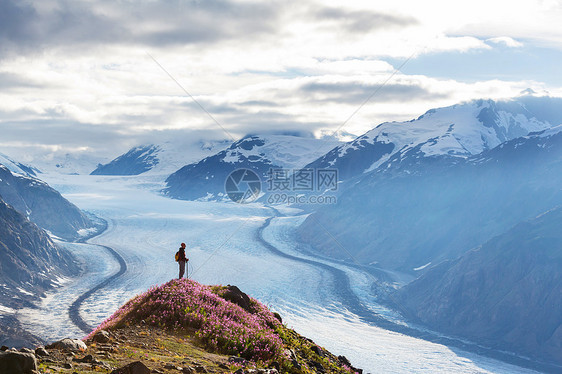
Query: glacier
(146,228)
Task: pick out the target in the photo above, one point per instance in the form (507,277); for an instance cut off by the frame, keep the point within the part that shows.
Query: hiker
(182,260)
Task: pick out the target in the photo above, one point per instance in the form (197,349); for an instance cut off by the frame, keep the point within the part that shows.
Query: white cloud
(505,40)
(79,72)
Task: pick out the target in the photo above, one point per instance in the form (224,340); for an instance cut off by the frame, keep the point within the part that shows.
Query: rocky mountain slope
(42,204)
(30,264)
(505,293)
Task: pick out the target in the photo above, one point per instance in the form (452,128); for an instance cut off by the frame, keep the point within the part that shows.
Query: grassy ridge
(223,327)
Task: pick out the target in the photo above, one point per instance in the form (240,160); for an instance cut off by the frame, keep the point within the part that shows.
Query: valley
(390,258)
(145,229)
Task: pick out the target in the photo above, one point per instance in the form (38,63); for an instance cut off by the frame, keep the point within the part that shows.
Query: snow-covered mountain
(206,178)
(414,211)
(162,159)
(17,167)
(460,131)
(136,161)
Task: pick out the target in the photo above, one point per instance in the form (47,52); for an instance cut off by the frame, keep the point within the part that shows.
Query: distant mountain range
(136,161)
(461,131)
(426,202)
(163,159)
(206,178)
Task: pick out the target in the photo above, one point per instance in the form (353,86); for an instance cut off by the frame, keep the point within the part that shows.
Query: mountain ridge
(461,130)
(30,265)
(404,213)
(43,205)
(503,293)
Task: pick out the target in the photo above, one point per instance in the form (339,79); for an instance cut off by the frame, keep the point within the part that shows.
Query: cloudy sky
(101,76)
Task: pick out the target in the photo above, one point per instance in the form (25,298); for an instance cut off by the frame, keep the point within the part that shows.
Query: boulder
(88,359)
(237,360)
(41,352)
(319,351)
(136,367)
(17,362)
(101,336)
(69,345)
(234,295)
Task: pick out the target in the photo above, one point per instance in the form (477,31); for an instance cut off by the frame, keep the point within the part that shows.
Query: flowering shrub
(220,325)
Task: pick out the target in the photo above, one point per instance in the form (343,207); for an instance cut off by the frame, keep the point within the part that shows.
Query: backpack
(177,256)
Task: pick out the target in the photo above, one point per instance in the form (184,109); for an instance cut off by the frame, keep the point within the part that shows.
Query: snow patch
(422,267)
(85,232)
(23,291)
(6,310)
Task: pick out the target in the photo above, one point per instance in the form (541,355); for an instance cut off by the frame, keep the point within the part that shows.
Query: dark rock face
(504,294)
(234,295)
(28,259)
(41,352)
(17,363)
(42,204)
(136,161)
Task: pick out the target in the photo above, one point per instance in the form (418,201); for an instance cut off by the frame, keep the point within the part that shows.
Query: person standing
(182,260)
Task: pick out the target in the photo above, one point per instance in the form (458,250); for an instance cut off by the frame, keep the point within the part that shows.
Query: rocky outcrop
(17,362)
(235,296)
